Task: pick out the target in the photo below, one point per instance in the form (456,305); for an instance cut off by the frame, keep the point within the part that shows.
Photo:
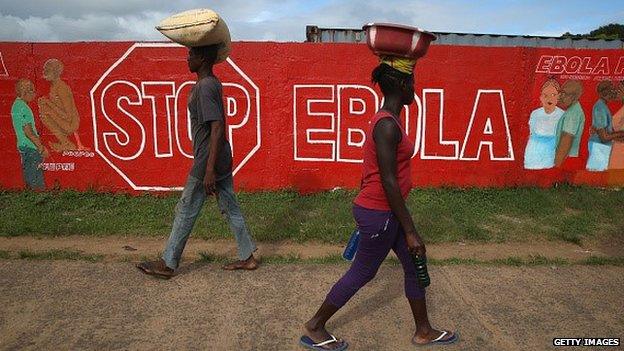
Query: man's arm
(606,136)
(210,104)
(30,134)
(565,144)
(216,135)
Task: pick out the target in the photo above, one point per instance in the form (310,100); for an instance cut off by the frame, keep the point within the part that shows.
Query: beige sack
(198,28)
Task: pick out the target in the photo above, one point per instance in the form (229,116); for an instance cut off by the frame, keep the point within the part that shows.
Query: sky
(286,20)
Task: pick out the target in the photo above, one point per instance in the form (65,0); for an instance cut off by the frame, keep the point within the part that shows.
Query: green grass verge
(59,255)
(604,261)
(509,261)
(564,213)
(532,261)
(330,259)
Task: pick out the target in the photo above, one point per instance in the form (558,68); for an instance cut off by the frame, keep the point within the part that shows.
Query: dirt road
(74,305)
(112,248)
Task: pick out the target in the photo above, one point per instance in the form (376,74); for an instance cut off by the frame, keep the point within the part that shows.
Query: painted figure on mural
(603,133)
(3,70)
(540,149)
(570,127)
(58,111)
(616,161)
(29,144)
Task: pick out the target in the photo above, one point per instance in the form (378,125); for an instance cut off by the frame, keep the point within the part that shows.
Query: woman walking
(381,215)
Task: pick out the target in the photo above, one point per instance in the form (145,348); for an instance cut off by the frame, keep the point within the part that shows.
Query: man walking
(210,174)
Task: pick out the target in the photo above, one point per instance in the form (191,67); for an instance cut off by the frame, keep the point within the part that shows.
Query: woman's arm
(387,136)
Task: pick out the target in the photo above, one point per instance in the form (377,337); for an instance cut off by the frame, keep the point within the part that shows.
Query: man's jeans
(32,173)
(187,210)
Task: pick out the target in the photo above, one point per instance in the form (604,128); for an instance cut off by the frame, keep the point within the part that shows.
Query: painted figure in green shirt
(29,145)
(570,126)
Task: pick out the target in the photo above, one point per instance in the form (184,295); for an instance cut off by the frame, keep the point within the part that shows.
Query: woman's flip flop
(440,339)
(307,342)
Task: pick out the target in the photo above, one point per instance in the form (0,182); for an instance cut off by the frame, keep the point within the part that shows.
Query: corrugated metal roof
(345,35)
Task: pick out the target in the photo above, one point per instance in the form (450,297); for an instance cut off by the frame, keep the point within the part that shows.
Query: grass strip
(565,213)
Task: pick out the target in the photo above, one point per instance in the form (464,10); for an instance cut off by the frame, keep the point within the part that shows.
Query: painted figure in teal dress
(540,149)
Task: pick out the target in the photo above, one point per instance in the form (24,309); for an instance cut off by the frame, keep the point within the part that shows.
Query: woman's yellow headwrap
(401,64)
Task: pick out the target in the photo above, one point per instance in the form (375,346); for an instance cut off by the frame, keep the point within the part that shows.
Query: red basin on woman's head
(397,40)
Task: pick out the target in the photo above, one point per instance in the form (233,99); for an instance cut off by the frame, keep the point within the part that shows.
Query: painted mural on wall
(58,110)
(543,123)
(556,128)
(588,135)
(3,69)
(118,120)
(616,160)
(58,115)
(606,137)
(31,149)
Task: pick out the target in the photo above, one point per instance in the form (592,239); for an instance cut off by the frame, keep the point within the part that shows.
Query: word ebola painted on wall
(579,65)
(330,124)
(297,118)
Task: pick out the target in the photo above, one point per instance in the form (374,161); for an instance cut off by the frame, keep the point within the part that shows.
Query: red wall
(120,89)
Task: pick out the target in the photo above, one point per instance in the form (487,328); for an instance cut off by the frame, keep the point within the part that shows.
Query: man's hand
(415,244)
(210,182)
(44,152)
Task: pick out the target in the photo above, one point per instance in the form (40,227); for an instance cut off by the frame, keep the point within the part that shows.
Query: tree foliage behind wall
(608,32)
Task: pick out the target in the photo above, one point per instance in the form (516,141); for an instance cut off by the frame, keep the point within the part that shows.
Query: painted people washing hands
(603,132)
(616,161)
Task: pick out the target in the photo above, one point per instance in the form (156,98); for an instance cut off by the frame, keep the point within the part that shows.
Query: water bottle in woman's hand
(420,263)
(349,252)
